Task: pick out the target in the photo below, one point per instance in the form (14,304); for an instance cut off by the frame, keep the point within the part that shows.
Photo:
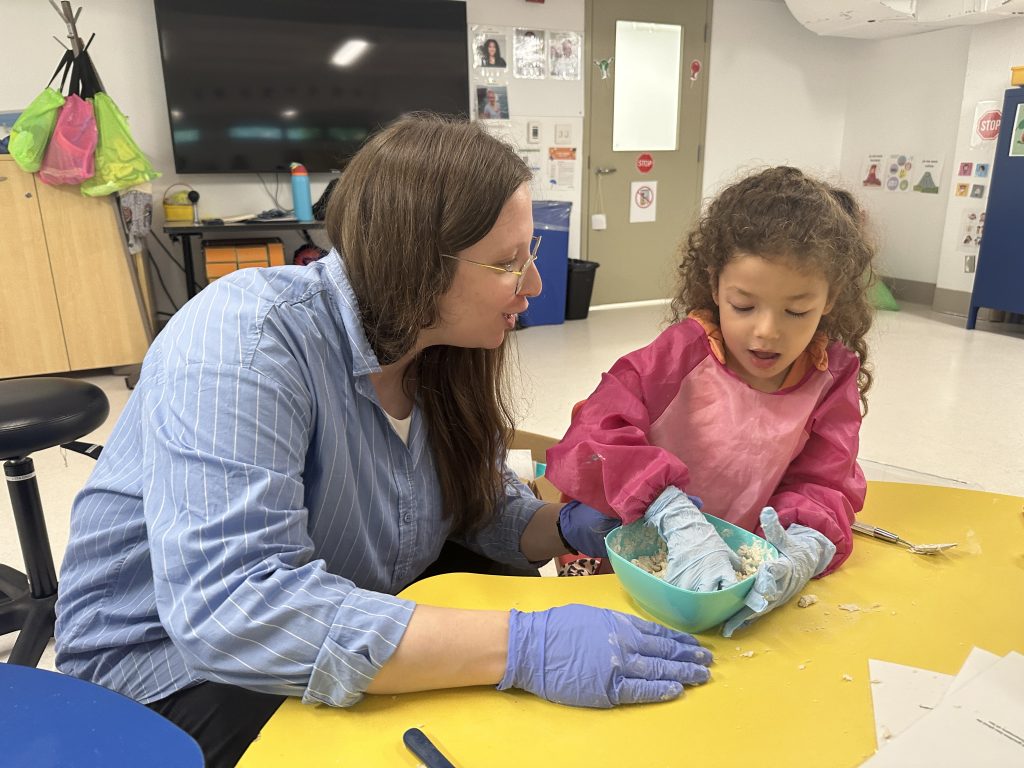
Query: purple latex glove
(585,528)
(595,657)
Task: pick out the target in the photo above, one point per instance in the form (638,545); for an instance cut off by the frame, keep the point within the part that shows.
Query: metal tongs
(892,538)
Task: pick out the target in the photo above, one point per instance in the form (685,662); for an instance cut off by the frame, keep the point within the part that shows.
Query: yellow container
(176,204)
(1016,75)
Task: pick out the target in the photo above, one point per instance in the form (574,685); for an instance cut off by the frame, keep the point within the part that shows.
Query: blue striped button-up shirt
(254,512)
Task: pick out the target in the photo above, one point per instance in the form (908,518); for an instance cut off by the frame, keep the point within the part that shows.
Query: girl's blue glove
(803,554)
(698,558)
(594,657)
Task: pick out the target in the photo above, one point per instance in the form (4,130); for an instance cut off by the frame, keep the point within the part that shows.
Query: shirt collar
(364,360)
(815,356)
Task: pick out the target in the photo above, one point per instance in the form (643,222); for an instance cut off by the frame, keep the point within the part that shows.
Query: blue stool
(52,720)
(38,413)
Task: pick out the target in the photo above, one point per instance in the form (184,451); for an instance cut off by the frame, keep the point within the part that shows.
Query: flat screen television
(254,85)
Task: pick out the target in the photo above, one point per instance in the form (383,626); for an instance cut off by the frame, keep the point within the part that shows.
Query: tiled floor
(945,407)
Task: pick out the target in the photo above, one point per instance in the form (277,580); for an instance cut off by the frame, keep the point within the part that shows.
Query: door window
(646,105)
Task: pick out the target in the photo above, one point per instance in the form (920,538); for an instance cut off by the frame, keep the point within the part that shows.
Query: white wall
(548,102)
(127,55)
(905,96)
(993,49)
(776,92)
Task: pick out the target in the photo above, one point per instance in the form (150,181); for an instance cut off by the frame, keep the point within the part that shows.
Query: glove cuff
(558,527)
(517,664)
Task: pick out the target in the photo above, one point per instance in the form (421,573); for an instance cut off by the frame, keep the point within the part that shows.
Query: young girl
(750,400)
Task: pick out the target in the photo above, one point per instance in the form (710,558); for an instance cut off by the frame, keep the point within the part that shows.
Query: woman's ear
(713,280)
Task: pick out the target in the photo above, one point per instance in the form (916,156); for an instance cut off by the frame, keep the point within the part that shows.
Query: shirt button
(408,518)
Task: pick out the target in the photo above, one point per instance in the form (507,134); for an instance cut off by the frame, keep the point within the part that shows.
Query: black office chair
(38,413)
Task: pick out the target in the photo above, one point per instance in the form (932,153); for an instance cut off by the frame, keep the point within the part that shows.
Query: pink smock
(672,413)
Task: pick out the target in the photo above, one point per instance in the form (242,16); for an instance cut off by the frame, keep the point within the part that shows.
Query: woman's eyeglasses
(509,269)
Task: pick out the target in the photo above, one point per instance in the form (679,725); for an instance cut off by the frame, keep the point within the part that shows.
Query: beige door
(637,259)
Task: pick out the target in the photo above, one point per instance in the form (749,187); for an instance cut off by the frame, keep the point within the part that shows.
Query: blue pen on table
(418,743)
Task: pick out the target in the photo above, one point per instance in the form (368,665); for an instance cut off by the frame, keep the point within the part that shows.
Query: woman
(301,443)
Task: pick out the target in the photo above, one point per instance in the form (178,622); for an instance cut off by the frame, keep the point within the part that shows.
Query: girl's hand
(803,554)
(698,559)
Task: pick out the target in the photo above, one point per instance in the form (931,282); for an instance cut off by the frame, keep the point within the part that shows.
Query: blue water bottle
(301,200)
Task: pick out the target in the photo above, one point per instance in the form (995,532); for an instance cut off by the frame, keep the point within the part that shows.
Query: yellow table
(787,705)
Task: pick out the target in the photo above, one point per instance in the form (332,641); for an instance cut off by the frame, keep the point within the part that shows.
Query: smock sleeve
(606,459)
(823,487)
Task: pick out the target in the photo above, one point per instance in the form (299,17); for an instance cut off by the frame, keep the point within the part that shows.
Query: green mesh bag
(119,161)
(31,132)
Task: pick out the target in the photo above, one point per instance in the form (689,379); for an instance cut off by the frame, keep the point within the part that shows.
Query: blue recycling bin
(551,222)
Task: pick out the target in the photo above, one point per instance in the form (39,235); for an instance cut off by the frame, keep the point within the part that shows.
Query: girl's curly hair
(782,213)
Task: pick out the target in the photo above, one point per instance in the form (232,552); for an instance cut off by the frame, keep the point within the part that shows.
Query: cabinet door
(31,339)
(102,319)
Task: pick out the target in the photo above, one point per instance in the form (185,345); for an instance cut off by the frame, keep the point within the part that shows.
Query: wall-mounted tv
(254,85)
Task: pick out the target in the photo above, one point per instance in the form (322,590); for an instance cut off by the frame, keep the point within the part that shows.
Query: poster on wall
(987,117)
(1017,137)
(561,167)
(564,49)
(928,173)
(972,224)
(492,102)
(643,201)
(531,157)
(871,173)
(528,60)
(897,172)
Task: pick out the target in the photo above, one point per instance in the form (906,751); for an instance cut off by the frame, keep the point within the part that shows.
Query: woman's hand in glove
(595,657)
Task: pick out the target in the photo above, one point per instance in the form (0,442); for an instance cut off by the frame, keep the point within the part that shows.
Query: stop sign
(644,162)
(988,124)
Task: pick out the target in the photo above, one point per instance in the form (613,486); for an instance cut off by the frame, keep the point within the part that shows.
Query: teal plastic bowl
(682,608)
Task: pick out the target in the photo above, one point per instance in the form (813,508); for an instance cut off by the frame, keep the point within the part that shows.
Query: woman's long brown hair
(423,186)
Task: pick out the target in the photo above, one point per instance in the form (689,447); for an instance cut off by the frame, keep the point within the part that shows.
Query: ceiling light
(349,52)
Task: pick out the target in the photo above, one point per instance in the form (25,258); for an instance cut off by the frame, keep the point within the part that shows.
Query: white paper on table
(902,695)
(981,724)
(978,661)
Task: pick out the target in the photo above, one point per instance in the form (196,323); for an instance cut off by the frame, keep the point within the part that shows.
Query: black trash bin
(579,289)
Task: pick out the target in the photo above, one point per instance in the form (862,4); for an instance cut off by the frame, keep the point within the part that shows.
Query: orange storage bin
(223,257)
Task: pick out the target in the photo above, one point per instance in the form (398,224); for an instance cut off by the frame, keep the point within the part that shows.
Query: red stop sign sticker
(645,163)
(988,124)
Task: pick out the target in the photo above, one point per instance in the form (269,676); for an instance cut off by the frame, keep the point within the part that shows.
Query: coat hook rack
(71,20)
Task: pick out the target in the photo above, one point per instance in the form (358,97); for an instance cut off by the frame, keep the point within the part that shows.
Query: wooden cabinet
(68,301)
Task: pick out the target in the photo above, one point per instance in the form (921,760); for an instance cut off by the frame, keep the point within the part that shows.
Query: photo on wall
(490,47)
(492,102)
(528,54)
(564,50)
